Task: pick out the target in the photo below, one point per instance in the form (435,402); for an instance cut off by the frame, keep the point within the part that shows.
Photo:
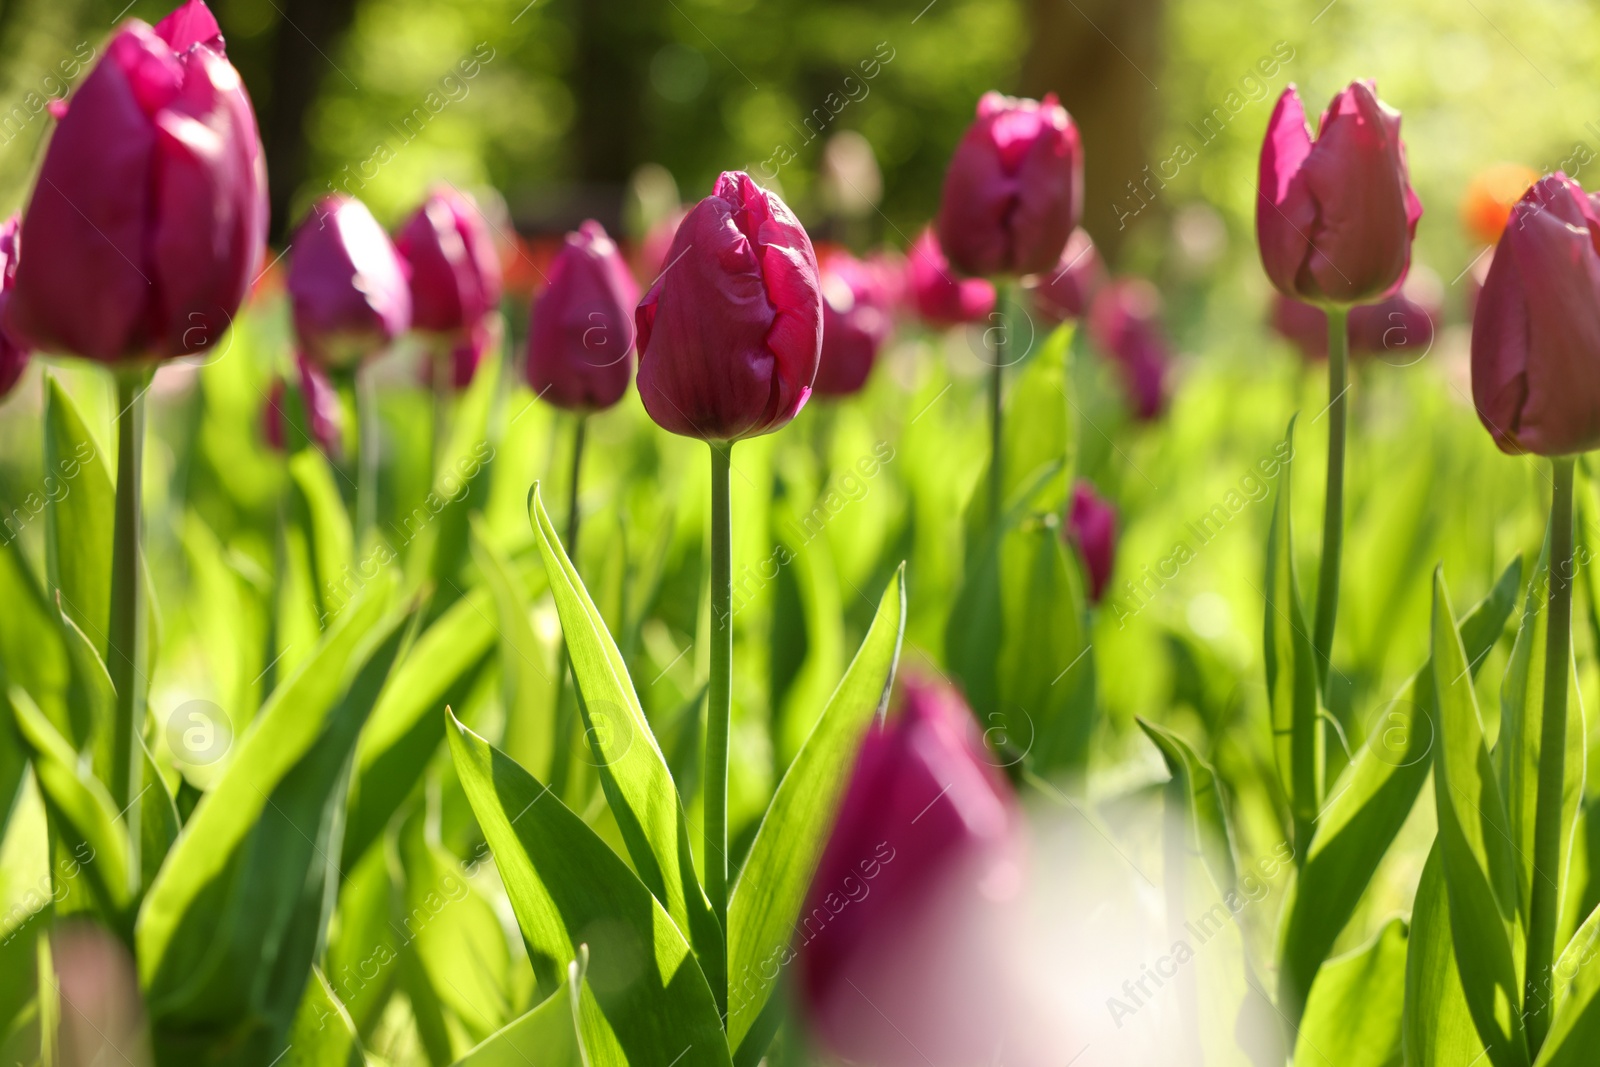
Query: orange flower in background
(1486,204)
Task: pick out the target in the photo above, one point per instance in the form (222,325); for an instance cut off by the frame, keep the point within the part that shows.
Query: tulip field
(746,630)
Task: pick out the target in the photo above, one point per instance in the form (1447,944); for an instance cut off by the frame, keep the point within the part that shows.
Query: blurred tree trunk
(1103,59)
(304,43)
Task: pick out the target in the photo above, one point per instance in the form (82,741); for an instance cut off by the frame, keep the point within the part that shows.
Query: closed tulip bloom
(855,324)
(314,408)
(580,339)
(1014,190)
(942,297)
(1536,330)
(1125,323)
(150,212)
(1335,216)
(347,285)
(901,955)
(13,356)
(455,267)
(730,334)
(1092,529)
(1064,291)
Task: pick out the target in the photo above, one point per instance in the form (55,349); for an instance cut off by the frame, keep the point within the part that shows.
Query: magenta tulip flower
(1014,190)
(1536,330)
(13,356)
(580,339)
(1335,216)
(1065,290)
(900,952)
(455,268)
(315,409)
(1092,530)
(347,284)
(855,324)
(730,334)
(1125,323)
(942,297)
(150,212)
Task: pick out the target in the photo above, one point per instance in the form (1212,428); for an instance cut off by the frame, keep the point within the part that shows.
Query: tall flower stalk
(1333,499)
(127,634)
(730,337)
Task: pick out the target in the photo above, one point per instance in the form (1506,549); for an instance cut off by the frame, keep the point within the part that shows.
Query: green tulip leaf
(227,933)
(322,1034)
(79,514)
(638,786)
(1436,1024)
(1370,803)
(528,679)
(1352,1017)
(771,888)
(1207,834)
(1575,1032)
(1292,682)
(646,1001)
(320,507)
(1474,843)
(547,1035)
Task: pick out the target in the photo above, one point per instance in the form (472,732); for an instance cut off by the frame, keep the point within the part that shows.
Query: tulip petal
(1285,213)
(188,25)
(84,284)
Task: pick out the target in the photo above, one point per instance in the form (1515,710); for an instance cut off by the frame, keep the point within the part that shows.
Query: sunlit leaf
(1352,1017)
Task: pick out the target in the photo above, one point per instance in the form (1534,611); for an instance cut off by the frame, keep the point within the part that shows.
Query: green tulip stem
(719,704)
(1544,905)
(997,372)
(126,645)
(561,749)
(443,372)
(1333,503)
(367,447)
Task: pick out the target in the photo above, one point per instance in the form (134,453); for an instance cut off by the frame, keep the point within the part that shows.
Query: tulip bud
(13,356)
(730,334)
(1014,190)
(1092,529)
(1065,290)
(313,409)
(455,268)
(1335,216)
(1125,322)
(1536,328)
(150,212)
(855,324)
(942,298)
(580,340)
(347,285)
(899,953)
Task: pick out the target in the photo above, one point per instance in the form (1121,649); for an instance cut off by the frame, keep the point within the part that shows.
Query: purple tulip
(150,213)
(941,297)
(899,950)
(13,356)
(855,324)
(1335,216)
(1014,190)
(580,341)
(318,411)
(1536,329)
(1092,529)
(1125,323)
(1065,290)
(730,334)
(455,268)
(347,284)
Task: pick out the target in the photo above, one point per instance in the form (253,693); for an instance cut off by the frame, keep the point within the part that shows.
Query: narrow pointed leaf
(1353,1016)
(547,1035)
(646,1000)
(1575,1034)
(1207,832)
(1436,1025)
(328,524)
(1370,803)
(79,515)
(322,1034)
(527,677)
(772,885)
(1474,843)
(633,772)
(1292,683)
